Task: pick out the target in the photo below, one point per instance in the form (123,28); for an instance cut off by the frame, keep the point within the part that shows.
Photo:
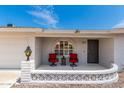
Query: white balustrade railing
(68,76)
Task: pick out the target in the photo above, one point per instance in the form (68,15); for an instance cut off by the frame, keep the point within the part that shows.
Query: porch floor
(67,67)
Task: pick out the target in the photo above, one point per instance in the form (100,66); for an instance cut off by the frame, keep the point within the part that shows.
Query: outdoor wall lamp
(28,52)
(77,31)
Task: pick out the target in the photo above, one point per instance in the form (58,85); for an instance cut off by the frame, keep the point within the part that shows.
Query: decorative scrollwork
(71,77)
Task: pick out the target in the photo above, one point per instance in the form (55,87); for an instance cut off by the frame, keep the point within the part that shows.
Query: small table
(63,60)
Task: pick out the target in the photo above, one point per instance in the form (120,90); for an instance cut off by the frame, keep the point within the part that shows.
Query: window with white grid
(63,48)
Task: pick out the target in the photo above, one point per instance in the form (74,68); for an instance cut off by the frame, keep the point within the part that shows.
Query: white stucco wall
(12,50)
(119,50)
(106,51)
(47,46)
(38,51)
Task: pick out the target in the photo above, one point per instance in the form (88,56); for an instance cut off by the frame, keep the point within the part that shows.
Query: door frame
(97,49)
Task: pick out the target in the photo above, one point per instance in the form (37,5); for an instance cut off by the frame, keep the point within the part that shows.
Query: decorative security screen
(63,48)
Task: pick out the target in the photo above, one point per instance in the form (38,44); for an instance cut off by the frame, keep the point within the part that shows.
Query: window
(63,48)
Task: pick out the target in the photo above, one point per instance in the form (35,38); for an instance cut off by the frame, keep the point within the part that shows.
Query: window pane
(57,46)
(70,51)
(57,52)
(61,52)
(70,46)
(66,43)
(63,48)
(66,52)
(66,47)
(61,42)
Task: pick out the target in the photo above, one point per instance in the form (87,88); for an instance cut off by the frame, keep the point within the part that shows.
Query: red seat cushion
(53,58)
(72,55)
(73,58)
(52,55)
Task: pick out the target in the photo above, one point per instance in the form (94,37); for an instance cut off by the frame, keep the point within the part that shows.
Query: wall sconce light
(77,31)
(28,52)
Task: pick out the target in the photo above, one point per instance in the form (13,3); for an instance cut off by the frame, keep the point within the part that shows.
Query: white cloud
(45,15)
(119,25)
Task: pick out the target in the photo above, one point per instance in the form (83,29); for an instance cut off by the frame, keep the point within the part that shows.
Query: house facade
(100,48)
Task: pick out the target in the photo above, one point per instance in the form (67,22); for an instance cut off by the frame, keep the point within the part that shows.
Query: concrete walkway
(68,67)
(8,77)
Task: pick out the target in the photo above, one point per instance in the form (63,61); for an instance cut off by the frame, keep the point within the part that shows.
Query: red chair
(53,59)
(73,59)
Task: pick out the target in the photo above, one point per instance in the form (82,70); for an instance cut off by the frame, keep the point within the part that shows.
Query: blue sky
(64,17)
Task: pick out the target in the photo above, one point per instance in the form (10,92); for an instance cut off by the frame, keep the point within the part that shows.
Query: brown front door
(93,51)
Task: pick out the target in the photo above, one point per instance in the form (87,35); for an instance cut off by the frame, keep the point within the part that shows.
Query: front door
(93,51)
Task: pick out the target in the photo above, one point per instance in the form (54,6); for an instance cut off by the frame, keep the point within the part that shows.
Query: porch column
(119,51)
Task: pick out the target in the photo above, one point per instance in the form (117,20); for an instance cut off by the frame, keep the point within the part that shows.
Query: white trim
(106,71)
